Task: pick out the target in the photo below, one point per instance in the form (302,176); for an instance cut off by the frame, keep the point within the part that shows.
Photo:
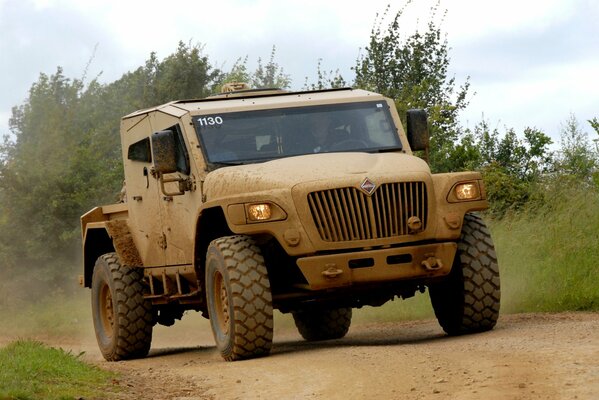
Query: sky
(529,63)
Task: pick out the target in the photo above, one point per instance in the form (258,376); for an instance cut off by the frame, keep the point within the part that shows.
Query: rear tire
(468,300)
(325,324)
(123,319)
(239,298)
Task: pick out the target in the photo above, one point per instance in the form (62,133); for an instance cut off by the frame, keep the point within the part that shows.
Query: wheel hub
(107,310)
(222,303)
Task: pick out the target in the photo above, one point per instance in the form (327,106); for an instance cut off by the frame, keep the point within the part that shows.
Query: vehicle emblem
(368,186)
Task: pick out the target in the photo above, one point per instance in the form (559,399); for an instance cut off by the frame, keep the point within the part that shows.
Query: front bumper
(382,265)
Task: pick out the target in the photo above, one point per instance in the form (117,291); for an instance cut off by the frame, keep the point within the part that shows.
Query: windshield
(251,136)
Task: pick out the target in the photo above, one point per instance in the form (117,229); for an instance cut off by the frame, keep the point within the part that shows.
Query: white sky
(531,63)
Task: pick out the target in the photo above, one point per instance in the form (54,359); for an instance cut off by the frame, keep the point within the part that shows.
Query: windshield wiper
(388,149)
(225,163)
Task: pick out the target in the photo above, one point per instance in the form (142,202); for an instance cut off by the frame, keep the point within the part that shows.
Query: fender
(102,235)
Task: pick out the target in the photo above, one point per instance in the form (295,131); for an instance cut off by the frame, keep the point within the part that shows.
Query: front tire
(239,298)
(123,319)
(323,324)
(468,300)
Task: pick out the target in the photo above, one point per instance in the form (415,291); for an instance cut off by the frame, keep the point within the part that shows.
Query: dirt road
(533,356)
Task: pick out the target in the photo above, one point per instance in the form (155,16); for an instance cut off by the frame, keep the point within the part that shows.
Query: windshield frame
(200,122)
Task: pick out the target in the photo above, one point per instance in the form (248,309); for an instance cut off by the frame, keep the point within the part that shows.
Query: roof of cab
(264,97)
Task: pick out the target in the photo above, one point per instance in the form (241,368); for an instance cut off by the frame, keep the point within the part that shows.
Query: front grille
(349,214)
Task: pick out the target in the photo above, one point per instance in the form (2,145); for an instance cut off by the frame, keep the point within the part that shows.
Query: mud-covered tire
(323,324)
(467,301)
(239,298)
(123,319)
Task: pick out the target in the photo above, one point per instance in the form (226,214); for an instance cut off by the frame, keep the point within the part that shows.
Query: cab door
(178,209)
(143,192)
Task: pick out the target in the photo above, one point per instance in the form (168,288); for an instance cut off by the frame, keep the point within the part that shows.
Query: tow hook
(331,272)
(432,263)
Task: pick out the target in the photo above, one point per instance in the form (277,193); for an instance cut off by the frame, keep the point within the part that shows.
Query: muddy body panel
(372,266)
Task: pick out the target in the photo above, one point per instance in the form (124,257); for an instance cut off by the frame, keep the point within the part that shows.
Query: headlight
(467,191)
(259,212)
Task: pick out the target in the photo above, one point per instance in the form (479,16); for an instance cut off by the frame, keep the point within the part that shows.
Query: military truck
(311,203)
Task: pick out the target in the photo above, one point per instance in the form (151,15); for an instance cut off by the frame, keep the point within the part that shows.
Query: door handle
(147,178)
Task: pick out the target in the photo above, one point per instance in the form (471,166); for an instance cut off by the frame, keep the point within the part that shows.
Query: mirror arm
(185,184)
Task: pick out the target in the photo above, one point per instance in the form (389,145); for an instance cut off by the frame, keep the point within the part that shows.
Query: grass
(417,307)
(549,257)
(53,315)
(31,370)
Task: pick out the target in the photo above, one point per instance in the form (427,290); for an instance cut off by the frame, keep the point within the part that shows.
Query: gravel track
(527,356)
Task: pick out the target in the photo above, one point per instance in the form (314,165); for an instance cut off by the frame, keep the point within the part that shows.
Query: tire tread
(468,300)
(251,297)
(133,314)
(325,324)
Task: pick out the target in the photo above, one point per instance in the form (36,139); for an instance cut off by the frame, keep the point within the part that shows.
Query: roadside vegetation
(31,370)
(55,315)
(548,255)
(63,157)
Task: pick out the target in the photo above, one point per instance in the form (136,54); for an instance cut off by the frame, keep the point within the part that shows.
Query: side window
(180,150)
(140,151)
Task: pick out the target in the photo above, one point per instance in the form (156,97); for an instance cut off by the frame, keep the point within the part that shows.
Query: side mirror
(418,136)
(165,162)
(163,147)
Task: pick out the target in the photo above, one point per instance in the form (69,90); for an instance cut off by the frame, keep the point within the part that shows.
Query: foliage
(326,80)
(511,166)
(185,74)
(414,71)
(31,370)
(270,75)
(39,176)
(577,157)
(504,192)
(65,158)
(238,73)
(595,125)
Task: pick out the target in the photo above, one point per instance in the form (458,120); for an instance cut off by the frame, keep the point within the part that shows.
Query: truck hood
(288,172)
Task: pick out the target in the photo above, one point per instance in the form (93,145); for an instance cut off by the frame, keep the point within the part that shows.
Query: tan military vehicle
(311,203)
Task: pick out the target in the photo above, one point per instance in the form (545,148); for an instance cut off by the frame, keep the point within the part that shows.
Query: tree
(577,157)
(414,71)
(39,201)
(65,157)
(238,73)
(270,75)
(325,80)
(511,164)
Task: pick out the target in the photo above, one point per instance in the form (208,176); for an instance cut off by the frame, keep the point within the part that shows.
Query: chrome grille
(347,214)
